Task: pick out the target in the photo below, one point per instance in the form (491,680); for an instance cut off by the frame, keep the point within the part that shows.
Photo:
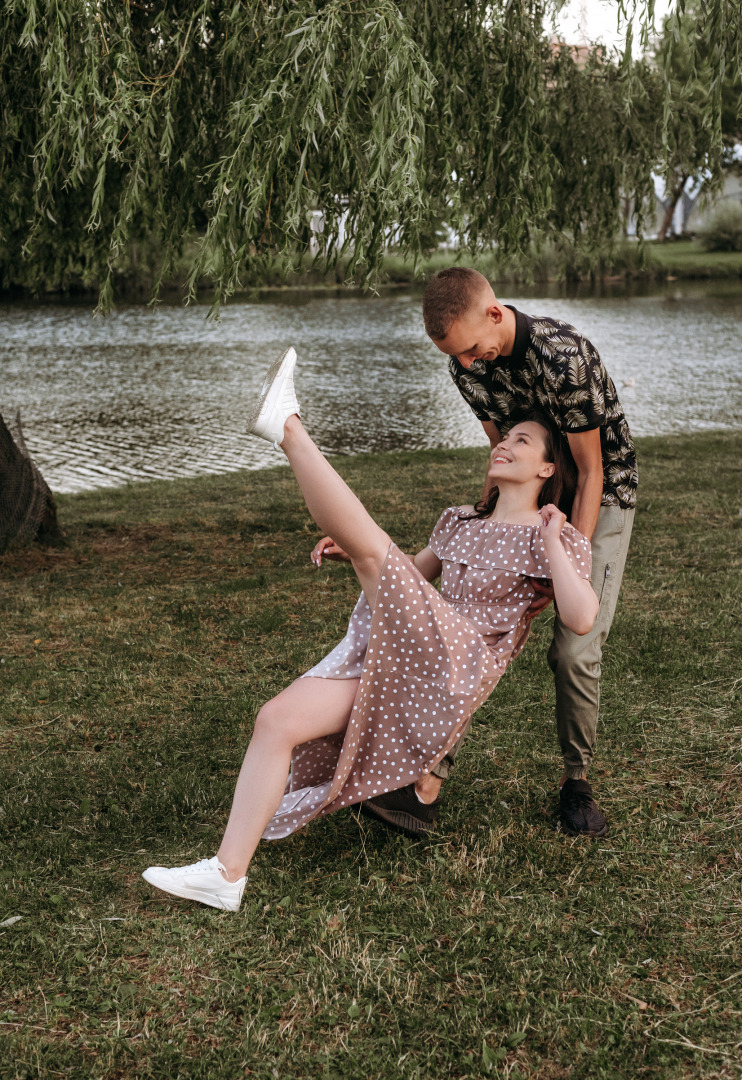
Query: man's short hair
(450,294)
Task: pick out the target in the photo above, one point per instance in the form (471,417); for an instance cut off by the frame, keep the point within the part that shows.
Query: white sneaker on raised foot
(277,401)
(202,881)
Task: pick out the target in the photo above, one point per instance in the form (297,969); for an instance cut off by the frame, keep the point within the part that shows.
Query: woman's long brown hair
(560,487)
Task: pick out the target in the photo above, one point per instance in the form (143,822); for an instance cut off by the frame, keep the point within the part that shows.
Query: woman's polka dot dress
(426,660)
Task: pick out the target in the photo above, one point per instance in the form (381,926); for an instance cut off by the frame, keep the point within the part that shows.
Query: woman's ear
(547,471)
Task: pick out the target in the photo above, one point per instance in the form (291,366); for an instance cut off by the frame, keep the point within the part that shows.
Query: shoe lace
(197,867)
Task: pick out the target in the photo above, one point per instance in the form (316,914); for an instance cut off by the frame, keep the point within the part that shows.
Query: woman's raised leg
(334,507)
(331,503)
(307,709)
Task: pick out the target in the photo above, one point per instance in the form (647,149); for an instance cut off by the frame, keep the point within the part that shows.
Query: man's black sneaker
(403,810)
(578,811)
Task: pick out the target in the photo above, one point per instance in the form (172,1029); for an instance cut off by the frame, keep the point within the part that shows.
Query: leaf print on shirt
(546,348)
(586,351)
(473,389)
(596,397)
(504,376)
(578,371)
(577,397)
(619,474)
(542,397)
(505,403)
(543,327)
(575,419)
(567,345)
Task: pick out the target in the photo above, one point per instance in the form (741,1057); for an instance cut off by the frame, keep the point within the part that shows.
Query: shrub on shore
(724,231)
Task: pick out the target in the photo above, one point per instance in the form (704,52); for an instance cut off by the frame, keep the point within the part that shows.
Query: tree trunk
(27,507)
(667,222)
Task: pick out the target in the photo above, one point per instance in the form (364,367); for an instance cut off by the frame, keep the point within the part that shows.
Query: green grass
(133,663)
(681,259)
(687,259)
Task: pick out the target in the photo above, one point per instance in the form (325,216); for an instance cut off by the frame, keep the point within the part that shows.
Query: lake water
(161,393)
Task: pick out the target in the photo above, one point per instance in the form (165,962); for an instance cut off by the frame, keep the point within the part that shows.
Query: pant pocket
(606,582)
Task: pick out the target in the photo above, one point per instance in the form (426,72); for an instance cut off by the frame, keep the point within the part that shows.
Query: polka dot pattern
(426,661)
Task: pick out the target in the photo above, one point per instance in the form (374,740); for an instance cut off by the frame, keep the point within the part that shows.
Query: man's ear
(494,312)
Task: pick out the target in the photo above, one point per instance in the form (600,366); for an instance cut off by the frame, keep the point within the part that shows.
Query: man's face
(480,334)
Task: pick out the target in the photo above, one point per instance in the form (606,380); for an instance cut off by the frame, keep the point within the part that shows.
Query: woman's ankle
(428,788)
(291,427)
(231,871)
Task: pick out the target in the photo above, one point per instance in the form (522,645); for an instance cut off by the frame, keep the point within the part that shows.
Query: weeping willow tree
(135,126)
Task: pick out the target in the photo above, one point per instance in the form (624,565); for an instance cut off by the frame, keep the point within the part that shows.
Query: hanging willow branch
(243,124)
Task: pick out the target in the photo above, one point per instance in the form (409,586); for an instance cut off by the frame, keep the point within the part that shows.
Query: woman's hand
(576,602)
(552,521)
(330,550)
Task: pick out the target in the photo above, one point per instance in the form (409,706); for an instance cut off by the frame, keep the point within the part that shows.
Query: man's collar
(522,337)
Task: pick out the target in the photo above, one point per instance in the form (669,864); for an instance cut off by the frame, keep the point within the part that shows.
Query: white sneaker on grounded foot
(202,881)
(277,400)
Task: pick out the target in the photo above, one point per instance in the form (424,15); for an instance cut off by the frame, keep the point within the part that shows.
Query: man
(505,364)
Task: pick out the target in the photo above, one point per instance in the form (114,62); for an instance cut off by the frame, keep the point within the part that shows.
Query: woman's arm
(426,561)
(577,603)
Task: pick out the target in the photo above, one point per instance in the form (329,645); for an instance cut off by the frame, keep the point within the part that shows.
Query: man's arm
(491,432)
(585,447)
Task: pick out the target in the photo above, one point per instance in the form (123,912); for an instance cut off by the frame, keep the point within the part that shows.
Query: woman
(390,700)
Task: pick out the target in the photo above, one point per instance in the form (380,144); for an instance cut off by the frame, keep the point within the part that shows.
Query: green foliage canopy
(698,141)
(240,121)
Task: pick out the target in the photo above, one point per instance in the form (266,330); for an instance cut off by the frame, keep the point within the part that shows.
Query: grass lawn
(677,258)
(133,663)
(687,258)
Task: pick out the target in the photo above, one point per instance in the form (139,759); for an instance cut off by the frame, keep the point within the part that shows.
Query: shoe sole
(398,819)
(274,372)
(590,833)
(184,894)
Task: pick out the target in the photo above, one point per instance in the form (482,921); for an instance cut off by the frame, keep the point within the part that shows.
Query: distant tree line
(131,128)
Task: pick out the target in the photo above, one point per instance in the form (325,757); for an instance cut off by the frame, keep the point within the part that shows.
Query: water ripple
(162,393)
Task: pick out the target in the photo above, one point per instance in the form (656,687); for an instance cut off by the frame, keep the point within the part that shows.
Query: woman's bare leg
(307,709)
(337,511)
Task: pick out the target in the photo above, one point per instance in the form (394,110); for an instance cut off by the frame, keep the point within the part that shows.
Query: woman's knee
(273,722)
(371,563)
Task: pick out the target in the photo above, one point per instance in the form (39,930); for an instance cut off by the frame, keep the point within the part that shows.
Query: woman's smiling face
(521,455)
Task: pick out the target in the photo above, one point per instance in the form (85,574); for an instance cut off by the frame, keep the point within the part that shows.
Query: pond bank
(654,262)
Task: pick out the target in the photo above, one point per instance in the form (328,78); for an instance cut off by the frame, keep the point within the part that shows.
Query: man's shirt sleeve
(578,376)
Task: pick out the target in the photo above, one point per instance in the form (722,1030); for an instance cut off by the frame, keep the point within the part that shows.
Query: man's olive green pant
(575,659)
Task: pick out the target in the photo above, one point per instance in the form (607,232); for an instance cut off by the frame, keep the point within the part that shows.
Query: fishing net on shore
(27,507)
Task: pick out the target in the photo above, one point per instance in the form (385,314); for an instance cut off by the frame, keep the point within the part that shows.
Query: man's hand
(542,599)
(330,550)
